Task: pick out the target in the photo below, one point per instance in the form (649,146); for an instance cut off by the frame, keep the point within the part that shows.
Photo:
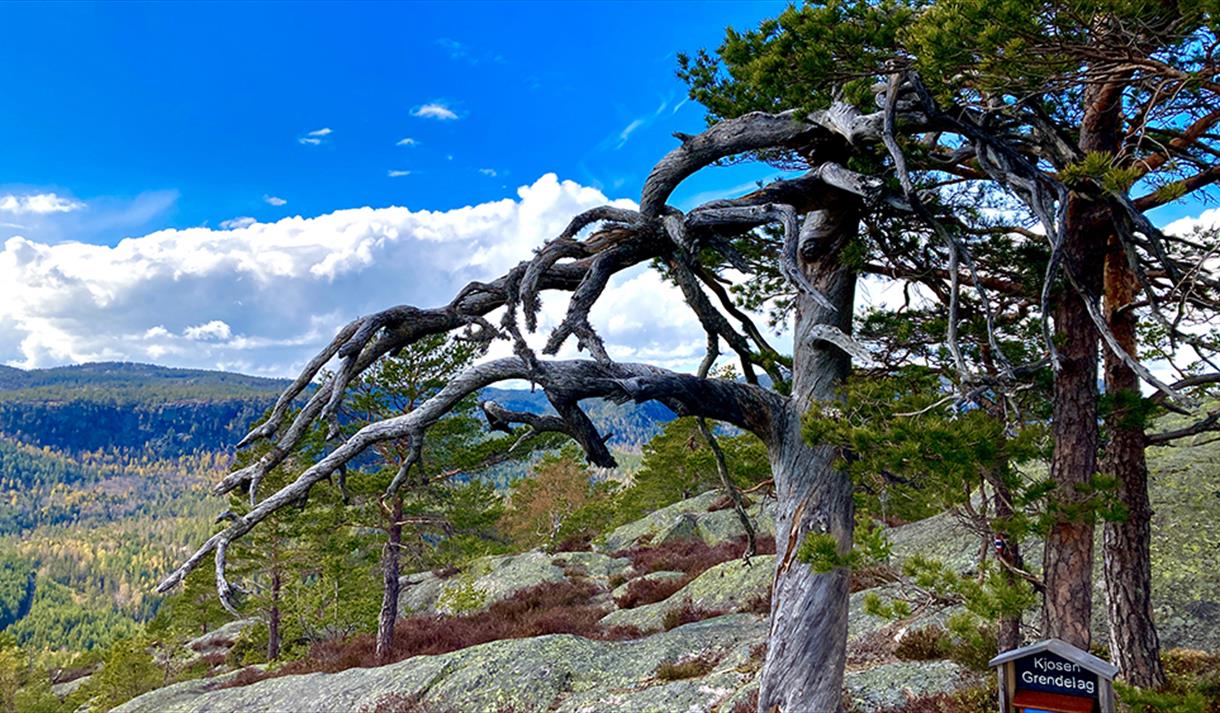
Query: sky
(224,185)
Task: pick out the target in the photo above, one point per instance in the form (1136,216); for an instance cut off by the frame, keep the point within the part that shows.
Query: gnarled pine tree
(849,151)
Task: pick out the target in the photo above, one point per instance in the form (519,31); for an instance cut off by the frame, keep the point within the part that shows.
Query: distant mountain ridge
(171,411)
(131,407)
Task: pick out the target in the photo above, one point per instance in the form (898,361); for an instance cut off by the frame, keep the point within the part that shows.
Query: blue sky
(224,185)
(176,115)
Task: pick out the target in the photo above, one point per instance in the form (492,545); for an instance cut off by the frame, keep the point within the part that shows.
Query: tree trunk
(1068,564)
(389,583)
(273,616)
(807,644)
(1134,644)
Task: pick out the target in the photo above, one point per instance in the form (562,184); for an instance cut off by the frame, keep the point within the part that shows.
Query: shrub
(976,699)
(924,644)
(688,613)
(973,643)
(872,647)
(1193,685)
(648,591)
(693,557)
(686,668)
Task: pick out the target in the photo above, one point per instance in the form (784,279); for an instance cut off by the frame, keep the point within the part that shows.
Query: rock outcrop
(571,674)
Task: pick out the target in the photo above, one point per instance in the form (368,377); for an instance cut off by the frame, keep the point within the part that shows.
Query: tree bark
(806,650)
(390,586)
(1134,644)
(1068,564)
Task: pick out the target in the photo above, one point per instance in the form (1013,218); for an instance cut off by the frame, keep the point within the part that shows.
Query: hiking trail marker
(1053,676)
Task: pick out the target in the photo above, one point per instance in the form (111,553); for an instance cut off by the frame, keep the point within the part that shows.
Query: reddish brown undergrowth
(550,608)
(646,591)
(694,557)
(689,613)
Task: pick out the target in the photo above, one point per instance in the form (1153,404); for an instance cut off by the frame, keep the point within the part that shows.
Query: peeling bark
(806,649)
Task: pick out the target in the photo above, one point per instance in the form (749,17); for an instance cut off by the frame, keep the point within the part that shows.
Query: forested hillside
(104,470)
(104,475)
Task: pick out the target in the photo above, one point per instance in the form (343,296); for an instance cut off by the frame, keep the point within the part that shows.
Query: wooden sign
(1053,676)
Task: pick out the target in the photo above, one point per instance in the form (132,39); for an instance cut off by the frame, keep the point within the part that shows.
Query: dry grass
(686,668)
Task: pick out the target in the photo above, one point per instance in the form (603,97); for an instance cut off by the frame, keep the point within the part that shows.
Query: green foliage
(799,59)
(912,458)
(58,621)
(1100,169)
(679,464)
(16,588)
(128,671)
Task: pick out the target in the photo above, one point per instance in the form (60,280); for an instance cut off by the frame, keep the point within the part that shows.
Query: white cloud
(392,173)
(214,330)
(1207,220)
(274,200)
(488,172)
(244,221)
(407,141)
(326,131)
(38,204)
(264,297)
(309,141)
(434,110)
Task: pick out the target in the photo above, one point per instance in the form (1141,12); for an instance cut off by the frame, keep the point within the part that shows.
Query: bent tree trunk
(806,649)
(1134,644)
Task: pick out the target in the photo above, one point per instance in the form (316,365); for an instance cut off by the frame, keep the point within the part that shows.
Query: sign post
(1053,676)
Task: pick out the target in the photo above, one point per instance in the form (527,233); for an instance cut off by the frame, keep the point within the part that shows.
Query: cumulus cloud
(309,141)
(406,141)
(397,173)
(38,204)
(264,297)
(434,110)
(214,330)
(1207,220)
(491,172)
(274,200)
(326,131)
